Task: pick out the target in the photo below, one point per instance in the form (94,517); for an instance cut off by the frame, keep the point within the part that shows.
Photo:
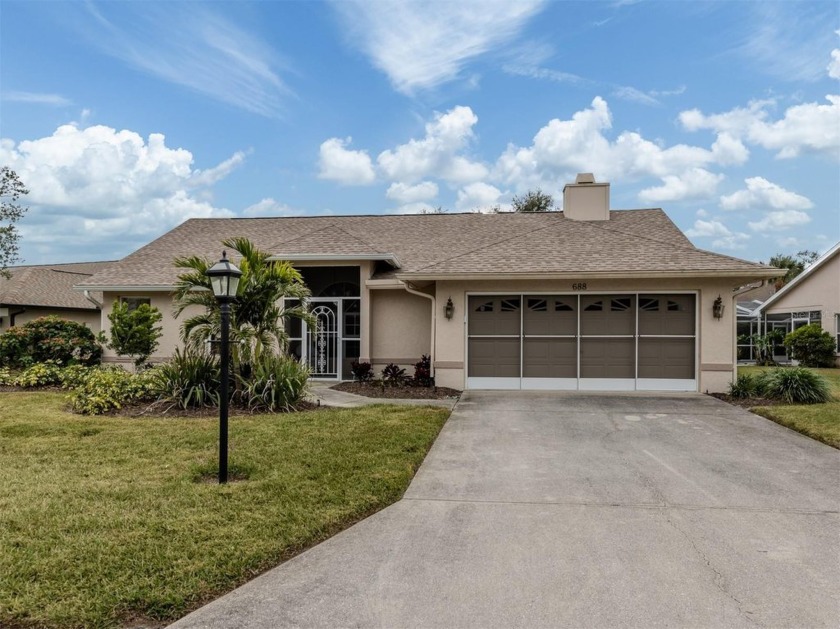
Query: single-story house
(813,296)
(587,298)
(38,291)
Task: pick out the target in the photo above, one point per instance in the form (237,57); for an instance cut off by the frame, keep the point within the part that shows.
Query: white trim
(588,275)
(607,384)
(550,384)
(494,383)
(665,384)
(798,279)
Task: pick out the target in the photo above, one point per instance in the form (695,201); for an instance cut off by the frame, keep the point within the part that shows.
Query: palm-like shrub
(275,383)
(744,386)
(191,379)
(257,319)
(795,385)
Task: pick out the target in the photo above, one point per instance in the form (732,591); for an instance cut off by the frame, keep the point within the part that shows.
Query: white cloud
(764,194)
(420,45)
(210,176)
(581,144)
(779,220)
(343,165)
(634,95)
(192,45)
(111,190)
(436,154)
(35,98)
(723,237)
(834,65)
(808,127)
(696,183)
(269,207)
(701,213)
(405,193)
(478,195)
(419,207)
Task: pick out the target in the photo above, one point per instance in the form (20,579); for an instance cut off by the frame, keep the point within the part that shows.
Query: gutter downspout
(90,298)
(12,316)
(408,287)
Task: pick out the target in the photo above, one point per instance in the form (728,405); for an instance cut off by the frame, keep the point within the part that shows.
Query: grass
(818,421)
(104,520)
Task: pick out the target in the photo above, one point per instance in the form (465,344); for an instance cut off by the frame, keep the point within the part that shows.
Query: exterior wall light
(718,307)
(449,309)
(224,278)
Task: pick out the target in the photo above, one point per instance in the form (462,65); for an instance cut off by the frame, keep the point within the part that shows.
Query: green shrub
(7,378)
(795,385)
(190,379)
(39,375)
(134,332)
(74,376)
(393,374)
(744,386)
(109,389)
(276,383)
(49,339)
(811,346)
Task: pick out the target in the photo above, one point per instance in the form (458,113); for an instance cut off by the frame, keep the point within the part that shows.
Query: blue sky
(126,118)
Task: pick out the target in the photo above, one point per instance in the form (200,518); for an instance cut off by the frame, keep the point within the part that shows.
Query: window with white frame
(837,331)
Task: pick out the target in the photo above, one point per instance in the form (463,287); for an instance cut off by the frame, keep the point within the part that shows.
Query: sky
(125,118)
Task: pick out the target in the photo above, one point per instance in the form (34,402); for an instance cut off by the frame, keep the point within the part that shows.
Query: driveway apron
(580,510)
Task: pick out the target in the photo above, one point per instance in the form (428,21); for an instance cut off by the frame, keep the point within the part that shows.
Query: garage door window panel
(607,315)
(666,315)
(550,316)
(494,316)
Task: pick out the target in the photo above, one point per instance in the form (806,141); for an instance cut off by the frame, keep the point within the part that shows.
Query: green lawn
(819,421)
(102,520)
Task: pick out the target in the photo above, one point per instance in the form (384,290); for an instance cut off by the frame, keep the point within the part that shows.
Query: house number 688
(579,286)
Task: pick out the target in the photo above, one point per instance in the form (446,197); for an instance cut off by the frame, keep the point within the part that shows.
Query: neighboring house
(813,296)
(38,291)
(747,299)
(587,298)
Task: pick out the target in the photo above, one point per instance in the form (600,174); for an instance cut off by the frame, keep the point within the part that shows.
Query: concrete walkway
(322,394)
(580,510)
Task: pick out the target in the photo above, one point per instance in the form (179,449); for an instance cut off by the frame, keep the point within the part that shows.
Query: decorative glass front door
(323,342)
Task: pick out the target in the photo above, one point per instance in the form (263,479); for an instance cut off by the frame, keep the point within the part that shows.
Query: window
(620,305)
(537,305)
(673,306)
(649,304)
(559,306)
(510,305)
(134,302)
(837,330)
(597,306)
(485,307)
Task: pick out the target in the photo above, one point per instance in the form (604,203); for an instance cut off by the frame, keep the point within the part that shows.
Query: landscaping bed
(106,521)
(818,421)
(402,392)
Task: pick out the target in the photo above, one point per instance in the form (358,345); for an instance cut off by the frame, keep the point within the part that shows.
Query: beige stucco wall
(89,318)
(171,326)
(819,291)
(400,326)
(716,337)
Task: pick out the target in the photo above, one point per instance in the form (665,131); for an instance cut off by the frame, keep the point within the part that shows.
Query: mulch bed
(746,402)
(397,393)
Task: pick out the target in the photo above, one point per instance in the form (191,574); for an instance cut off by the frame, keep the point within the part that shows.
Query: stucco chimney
(585,200)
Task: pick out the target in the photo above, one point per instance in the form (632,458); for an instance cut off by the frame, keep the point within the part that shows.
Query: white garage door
(609,342)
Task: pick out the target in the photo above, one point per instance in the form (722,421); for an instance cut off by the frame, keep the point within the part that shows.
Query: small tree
(811,346)
(134,332)
(794,264)
(533,201)
(11,189)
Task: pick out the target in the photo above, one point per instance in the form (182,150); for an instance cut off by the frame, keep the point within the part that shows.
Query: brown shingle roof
(49,286)
(641,240)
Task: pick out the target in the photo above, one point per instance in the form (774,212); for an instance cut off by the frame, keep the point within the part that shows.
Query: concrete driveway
(580,510)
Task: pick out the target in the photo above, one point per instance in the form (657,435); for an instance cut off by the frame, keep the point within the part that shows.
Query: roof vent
(586,200)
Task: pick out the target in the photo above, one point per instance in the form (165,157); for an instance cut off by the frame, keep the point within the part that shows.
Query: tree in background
(11,189)
(533,201)
(134,332)
(794,264)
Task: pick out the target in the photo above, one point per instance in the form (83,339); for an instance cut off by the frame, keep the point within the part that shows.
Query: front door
(323,341)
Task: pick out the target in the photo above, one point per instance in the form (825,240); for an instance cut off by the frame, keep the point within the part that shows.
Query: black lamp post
(224,278)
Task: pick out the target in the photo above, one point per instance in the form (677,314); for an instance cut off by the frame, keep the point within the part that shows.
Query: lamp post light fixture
(224,278)
(449,309)
(717,308)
